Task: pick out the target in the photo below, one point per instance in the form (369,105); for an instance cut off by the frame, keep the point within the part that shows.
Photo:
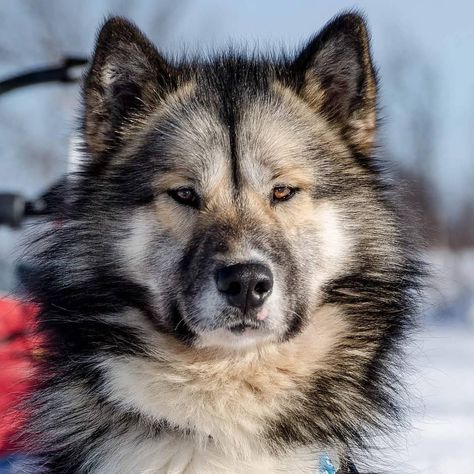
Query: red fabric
(18,347)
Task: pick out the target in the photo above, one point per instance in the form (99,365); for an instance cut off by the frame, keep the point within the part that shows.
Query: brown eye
(282,193)
(185,196)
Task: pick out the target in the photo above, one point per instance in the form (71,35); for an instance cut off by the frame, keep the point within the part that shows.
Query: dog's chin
(236,338)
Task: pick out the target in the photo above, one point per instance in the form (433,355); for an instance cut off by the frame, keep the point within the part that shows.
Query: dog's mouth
(234,322)
(245,326)
(236,332)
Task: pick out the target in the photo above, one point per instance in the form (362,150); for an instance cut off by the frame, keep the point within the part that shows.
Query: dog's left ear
(337,79)
(127,76)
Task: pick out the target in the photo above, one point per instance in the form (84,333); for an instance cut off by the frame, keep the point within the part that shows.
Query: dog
(231,283)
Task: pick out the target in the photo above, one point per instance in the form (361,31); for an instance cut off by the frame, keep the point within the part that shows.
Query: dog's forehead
(261,137)
(272,135)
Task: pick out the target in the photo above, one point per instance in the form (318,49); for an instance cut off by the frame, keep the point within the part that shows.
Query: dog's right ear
(127,76)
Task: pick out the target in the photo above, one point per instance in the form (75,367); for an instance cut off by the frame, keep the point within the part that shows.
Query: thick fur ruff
(148,368)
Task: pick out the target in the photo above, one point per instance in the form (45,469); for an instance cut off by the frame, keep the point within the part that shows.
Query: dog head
(233,191)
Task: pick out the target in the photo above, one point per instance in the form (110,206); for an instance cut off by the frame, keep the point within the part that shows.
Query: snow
(441,378)
(441,440)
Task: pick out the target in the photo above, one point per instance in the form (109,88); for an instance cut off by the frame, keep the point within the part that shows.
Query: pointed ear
(338,79)
(127,77)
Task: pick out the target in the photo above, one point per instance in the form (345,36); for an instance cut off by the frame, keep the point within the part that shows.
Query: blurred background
(424,52)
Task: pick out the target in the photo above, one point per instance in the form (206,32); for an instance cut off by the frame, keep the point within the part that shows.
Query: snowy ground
(441,440)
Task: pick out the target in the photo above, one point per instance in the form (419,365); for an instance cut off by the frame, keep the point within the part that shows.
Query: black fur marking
(348,467)
(179,327)
(296,321)
(230,107)
(229,95)
(86,336)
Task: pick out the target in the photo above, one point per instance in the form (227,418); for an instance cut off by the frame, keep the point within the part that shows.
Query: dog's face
(225,187)
(236,241)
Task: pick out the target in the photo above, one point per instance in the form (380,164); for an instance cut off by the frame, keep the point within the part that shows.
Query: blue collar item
(325,465)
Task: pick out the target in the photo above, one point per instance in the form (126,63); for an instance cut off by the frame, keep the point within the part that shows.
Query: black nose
(245,285)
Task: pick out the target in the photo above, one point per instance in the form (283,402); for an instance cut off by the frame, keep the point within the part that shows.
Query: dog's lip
(242,326)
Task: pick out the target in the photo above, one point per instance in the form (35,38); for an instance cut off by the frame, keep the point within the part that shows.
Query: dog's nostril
(262,287)
(245,285)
